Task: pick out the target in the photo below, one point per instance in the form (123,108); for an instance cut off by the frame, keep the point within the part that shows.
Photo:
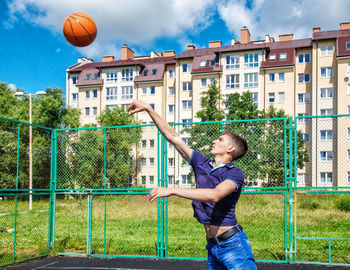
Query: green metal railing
(92,200)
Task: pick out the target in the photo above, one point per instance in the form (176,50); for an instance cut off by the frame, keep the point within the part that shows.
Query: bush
(311,205)
(343,203)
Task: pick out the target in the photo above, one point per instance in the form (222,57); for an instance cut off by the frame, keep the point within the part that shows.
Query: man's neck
(221,159)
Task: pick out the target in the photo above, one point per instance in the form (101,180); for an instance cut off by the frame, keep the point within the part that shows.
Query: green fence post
(105,185)
(54,186)
(290,184)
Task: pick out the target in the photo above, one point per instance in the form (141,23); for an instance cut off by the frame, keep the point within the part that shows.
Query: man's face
(221,146)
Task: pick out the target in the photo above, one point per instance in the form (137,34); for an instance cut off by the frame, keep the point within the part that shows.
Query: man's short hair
(240,144)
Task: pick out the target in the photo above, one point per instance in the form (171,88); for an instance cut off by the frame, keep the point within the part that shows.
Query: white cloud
(58,50)
(275,17)
(135,22)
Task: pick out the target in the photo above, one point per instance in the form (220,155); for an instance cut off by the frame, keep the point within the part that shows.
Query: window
(171,108)
(187,104)
(304,78)
(186,67)
(127,74)
(171,146)
(111,76)
(232,61)
(144,91)
(171,179)
(152,90)
(151,162)
(303,178)
(327,92)
(251,60)
(349,89)
(272,57)
(326,155)
(87,111)
(347,45)
(348,154)
(283,56)
(171,162)
(87,77)
(255,97)
(151,143)
(271,97)
(186,121)
(212,62)
(251,80)
(212,81)
(143,162)
(348,133)
(111,93)
(305,137)
(151,180)
(348,71)
(304,58)
(348,109)
(232,81)
(203,63)
(326,111)
(153,106)
(143,144)
(171,73)
(326,177)
(87,94)
(74,80)
(326,135)
(171,91)
(281,97)
(186,140)
(348,177)
(127,92)
(327,50)
(144,72)
(185,180)
(94,93)
(281,76)
(143,180)
(110,107)
(203,82)
(154,72)
(95,77)
(302,118)
(94,110)
(272,77)
(304,98)
(326,72)
(75,97)
(187,86)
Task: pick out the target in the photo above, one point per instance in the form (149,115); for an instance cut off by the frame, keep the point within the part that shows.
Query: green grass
(131,227)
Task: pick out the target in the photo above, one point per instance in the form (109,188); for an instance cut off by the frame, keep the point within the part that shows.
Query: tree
(87,150)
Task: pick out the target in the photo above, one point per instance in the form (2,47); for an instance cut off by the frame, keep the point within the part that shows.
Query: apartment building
(303,77)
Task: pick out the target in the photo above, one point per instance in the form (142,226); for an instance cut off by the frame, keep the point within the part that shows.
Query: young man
(218,187)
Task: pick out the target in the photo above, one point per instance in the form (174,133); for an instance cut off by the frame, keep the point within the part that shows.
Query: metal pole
(30,153)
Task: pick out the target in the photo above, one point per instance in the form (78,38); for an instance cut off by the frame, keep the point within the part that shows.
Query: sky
(34,53)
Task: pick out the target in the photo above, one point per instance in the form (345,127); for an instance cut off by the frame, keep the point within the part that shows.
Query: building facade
(303,77)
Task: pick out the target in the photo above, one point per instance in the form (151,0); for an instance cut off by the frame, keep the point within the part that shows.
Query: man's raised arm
(168,132)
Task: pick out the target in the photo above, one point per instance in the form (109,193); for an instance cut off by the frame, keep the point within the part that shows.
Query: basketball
(79,29)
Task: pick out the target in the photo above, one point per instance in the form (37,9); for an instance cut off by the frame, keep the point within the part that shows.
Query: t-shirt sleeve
(237,176)
(196,159)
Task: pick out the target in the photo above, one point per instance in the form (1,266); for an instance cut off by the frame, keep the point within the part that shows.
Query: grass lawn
(131,227)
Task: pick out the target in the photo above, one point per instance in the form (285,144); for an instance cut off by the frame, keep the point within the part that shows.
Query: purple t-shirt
(221,213)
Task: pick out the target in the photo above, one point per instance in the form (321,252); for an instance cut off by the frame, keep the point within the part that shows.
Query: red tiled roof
(298,43)
(160,67)
(330,34)
(196,68)
(91,81)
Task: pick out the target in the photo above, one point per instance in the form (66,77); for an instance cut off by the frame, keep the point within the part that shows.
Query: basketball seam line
(74,33)
(84,17)
(82,26)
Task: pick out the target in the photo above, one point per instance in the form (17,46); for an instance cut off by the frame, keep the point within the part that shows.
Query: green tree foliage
(85,163)
(47,110)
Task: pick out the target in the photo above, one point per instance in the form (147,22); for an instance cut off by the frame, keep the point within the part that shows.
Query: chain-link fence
(25,168)
(90,187)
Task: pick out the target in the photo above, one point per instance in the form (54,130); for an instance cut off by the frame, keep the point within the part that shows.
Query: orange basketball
(79,29)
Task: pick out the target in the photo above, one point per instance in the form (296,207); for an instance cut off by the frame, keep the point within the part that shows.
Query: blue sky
(34,53)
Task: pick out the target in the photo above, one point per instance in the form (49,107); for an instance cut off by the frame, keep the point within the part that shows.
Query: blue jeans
(234,253)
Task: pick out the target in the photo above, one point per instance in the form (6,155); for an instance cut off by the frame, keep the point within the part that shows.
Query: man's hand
(159,192)
(138,106)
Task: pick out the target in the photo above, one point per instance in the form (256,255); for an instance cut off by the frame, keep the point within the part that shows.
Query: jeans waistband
(226,235)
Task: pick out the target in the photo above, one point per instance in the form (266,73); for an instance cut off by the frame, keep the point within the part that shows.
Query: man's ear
(231,149)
